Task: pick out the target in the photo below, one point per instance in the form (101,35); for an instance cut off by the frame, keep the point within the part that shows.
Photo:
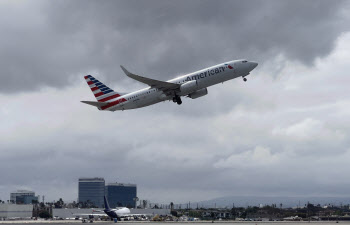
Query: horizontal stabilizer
(97,104)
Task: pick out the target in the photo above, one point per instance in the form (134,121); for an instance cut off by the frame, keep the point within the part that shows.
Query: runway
(67,222)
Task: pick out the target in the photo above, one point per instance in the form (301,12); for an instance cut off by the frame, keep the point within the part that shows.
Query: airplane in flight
(192,85)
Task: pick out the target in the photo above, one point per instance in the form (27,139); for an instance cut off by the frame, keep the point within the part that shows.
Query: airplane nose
(254,64)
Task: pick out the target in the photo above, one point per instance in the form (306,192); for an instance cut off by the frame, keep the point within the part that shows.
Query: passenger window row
(148,92)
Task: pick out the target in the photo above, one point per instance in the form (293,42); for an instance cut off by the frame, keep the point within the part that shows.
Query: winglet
(137,77)
(125,70)
(131,75)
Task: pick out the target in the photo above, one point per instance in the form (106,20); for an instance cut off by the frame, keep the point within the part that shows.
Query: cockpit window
(244,61)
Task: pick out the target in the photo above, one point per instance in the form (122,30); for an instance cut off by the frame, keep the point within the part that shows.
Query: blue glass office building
(23,197)
(91,190)
(121,195)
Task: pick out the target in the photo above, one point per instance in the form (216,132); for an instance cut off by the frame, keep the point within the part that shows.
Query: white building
(8,211)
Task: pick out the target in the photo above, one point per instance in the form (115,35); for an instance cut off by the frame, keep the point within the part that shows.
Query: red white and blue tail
(100,90)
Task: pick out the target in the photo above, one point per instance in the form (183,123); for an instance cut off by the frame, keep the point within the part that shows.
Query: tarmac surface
(66,222)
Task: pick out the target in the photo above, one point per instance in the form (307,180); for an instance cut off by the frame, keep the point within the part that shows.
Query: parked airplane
(193,85)
(119,212)
(293,218)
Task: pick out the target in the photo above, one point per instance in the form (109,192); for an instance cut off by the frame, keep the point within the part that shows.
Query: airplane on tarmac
(193,85)
(119,212)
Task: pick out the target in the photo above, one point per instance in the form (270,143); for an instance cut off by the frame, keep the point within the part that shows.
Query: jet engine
(188,87)
(199,93)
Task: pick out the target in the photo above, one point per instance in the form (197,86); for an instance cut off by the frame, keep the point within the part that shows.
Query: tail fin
(101,91)
(106,203)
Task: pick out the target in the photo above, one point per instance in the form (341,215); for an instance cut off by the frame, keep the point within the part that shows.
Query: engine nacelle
(188,87)
(198,93)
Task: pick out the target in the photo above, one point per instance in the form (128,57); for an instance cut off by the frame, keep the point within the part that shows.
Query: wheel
(178,100)
(244,79)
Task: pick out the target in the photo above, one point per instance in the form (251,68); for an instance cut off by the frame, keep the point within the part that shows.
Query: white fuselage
(204,78)
(122,211)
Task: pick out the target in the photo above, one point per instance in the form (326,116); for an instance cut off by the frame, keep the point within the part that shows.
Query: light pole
(135,200)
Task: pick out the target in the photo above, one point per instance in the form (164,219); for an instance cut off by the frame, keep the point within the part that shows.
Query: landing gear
(244,79)
(177,99)
(179,102)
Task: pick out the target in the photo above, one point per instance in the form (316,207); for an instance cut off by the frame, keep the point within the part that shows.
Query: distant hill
(287,202)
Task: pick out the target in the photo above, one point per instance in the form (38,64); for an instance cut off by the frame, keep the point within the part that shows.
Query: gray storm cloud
(45,44)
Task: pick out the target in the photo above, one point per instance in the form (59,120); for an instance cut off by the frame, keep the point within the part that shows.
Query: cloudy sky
(285,132)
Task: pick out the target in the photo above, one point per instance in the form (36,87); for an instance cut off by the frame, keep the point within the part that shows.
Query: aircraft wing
(89,214)
(132,215)
(161,85)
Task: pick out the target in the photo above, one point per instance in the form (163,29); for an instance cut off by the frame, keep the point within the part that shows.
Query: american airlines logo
(229,66)
(208,73)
